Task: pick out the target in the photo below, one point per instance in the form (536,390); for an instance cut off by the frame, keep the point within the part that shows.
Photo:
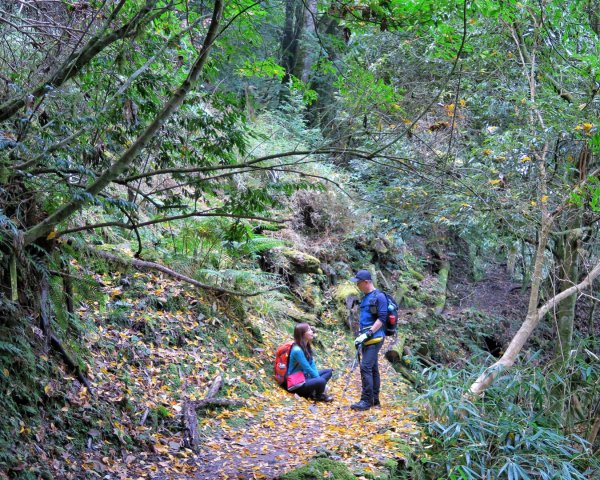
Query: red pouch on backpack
(295,381)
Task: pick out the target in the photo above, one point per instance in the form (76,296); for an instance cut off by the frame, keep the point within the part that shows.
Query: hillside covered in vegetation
(182,182)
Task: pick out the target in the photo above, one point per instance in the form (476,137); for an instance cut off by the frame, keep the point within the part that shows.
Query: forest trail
(285,431)
(496,294)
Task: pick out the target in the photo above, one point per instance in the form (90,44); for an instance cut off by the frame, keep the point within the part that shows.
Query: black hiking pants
(369,373)
(314,387)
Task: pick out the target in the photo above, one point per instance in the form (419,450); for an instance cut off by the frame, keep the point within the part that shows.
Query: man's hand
(361,338)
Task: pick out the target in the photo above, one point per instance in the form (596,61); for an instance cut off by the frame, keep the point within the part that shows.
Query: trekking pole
(355,362)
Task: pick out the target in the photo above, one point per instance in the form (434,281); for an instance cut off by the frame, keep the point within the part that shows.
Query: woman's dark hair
(299,332)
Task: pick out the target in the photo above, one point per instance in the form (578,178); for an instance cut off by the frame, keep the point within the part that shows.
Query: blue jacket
(367,319)
(299,362)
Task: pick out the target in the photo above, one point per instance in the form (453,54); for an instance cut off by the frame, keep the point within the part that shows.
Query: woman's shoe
(323,397)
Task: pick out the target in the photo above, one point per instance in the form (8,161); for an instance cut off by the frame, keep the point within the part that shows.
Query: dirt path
(285,431)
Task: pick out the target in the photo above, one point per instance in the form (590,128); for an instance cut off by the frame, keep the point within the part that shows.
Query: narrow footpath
(285,431)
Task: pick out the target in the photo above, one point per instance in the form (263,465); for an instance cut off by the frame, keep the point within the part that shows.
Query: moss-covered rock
(299,316)
(320,469)
(344,290)
(419,277)
(341,294)
(380,245)
(342,270)
(301,262)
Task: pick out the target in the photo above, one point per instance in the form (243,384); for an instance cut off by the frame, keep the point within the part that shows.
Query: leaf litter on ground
(142,363)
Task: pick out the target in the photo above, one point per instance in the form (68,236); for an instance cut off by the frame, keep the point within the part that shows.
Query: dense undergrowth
(514,432)
(147,341)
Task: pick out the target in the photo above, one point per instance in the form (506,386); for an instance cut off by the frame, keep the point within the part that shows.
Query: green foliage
(510,433)
(214,243)
(589,195)
(262,68)
(320,469)
(21,370)
(466,168)
(272,306)
(241,280)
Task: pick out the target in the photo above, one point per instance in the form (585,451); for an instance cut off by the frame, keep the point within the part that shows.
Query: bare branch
(77,61)
(130,226)
(515,346)
(143,265)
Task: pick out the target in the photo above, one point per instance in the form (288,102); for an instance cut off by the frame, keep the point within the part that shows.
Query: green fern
(241,279)
(11,348)
(260,244)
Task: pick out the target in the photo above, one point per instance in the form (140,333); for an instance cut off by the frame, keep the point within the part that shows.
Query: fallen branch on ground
(394,354)
(191,438)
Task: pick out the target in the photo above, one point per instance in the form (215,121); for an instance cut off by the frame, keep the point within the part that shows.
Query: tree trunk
(443,272)
(593,9)
(292,29)
(511,260)
(305,59)
(568,271)
(531,321)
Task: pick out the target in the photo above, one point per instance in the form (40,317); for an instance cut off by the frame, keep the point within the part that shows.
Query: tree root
(55,342)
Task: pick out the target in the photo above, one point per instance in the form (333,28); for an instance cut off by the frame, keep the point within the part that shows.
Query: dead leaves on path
(142,359)
(289,430)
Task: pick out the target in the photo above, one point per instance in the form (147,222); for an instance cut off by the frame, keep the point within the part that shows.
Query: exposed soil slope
(496,294)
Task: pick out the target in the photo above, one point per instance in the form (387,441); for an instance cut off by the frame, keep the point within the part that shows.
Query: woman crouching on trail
(301,359)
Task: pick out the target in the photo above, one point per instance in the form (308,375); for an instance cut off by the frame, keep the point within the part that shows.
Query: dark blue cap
(361,275)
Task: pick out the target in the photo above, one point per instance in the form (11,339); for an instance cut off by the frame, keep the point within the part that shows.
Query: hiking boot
(323,397)
(362,405)
(376,403)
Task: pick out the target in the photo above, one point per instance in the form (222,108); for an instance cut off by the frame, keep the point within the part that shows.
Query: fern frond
(238,278)
(260,244)
(11,348)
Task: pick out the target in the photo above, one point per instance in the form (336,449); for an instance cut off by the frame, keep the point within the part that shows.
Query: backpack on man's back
(391,320)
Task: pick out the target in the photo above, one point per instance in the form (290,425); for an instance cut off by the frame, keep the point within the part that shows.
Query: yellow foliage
(585,127)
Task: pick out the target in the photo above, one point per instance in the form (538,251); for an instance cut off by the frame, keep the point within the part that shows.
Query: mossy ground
(320,469)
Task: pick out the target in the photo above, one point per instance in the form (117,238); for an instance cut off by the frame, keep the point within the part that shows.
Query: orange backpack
(282,359)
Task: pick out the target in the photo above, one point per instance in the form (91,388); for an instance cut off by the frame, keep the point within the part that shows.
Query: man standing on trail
(373,312)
